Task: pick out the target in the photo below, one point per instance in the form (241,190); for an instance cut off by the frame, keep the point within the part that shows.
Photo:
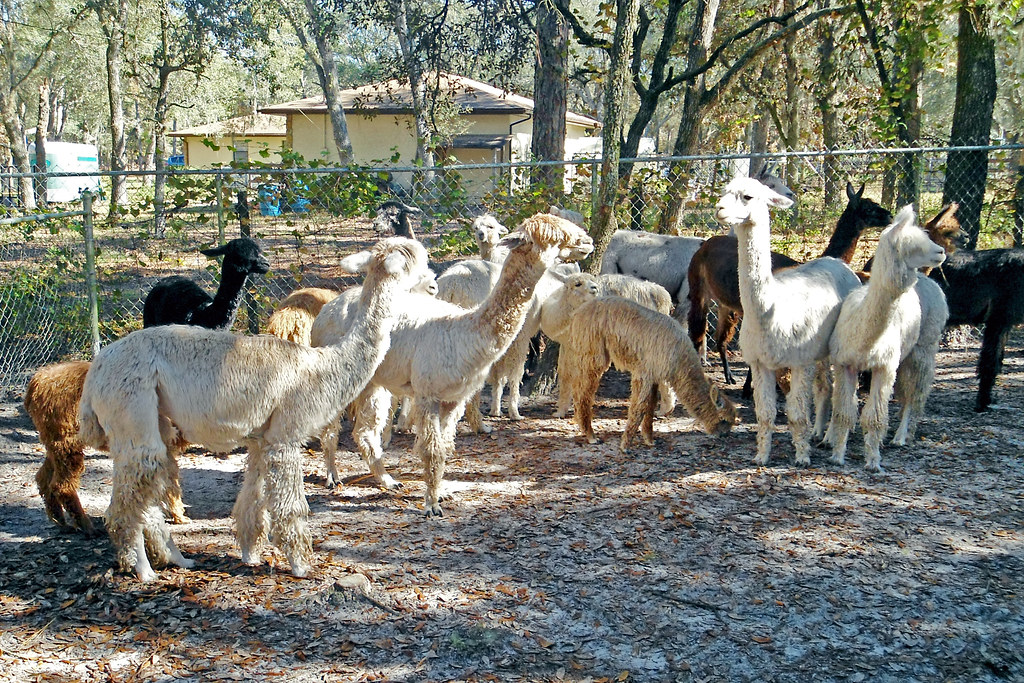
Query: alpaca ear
(852,194)
(513,240)
(778,200)
(905,217)
(356,263)
(214,251)
(411,209)
(394,263)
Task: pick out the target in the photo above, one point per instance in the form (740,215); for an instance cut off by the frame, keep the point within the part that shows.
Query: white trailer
(69,157)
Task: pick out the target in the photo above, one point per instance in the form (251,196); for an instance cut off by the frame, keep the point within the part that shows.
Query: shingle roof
(394,97)
(263,125)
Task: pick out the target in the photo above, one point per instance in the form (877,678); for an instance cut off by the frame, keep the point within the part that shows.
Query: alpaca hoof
(145,575)
(184,562)
(875,467)
(249,559)
(761,460)
(515,417)
(390,483)
(594,440)
(560,413)
(300,570)
(837,460)
(330,483)
(486,429)
(180,519)
(433,511)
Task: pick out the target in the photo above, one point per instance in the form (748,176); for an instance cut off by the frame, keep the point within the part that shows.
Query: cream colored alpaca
(654,349)
(787,316)
(295,315)
(488,232)
(222,390)
(441,356)
(899,313)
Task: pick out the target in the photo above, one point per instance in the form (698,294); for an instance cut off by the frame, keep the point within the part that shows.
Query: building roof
(394,97)
(256,125)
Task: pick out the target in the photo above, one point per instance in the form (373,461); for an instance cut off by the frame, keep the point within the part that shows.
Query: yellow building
(239,139)
(493,126)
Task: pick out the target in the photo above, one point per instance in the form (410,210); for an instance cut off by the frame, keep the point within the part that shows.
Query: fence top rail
(41,217)
(804,154)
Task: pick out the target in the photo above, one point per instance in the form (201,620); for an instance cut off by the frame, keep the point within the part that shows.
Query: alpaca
(654,349)
(51,400)
(440,354)
(983,288)
(713,272)
(294,316)
(665,259)
(176,300)
(222,390)
(879,326)
(788,317)
(943,229)
(488,232)
(395,218)
(556,311)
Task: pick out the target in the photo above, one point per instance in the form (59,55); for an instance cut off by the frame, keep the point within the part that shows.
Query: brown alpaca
(51,400)
(294,317)
(655,350)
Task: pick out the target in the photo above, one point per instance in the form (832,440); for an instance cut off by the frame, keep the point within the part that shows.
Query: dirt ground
(561,561)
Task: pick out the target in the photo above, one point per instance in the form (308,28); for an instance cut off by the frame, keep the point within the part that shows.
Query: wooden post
(90,272)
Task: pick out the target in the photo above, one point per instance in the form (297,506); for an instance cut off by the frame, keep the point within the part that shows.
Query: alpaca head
(394,258)
(568,214)
(242,255)
(767,176)
(906,246)
(487,231)
(745,203)
(865,211)
(395,218)
(726,412)
(945,230)
(551,237)
(578,289)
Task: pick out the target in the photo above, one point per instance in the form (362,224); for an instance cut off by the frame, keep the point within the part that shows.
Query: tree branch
(876,48)
(585,38)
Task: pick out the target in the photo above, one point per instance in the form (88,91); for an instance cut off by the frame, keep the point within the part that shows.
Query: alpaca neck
(221,312)
(755,268)
(890,279)
(844,240)
(502,313)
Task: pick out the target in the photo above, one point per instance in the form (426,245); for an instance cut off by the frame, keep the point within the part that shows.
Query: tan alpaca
(654,349)
(295,315)
(51,400)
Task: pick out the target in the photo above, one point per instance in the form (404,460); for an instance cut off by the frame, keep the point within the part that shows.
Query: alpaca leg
(497,390)
(159,543)
(405,415)
(822,392)
(564,401)
(913,385)
(765,407)
(844,411)
(585,381)
(372,415)
(642,395)
(993,342)
(171,437)
(329,445)
(389,422)
(431,449)
(250,511)
(724,332)
(51,502)
(515,381)
(874,419)
(287,506)
(131,496)
(474,418)
(798,411)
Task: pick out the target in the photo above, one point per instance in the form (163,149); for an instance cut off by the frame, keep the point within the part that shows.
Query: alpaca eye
(747,197)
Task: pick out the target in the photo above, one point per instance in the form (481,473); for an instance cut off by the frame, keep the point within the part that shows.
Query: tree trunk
(15,130)
(327,72)
(417,90)
(603,224)
(967,172)
(791,108)
(550,89)
(113,29)
(1018,203)
(159,153)
(42,126)
(694,103)
(825,92)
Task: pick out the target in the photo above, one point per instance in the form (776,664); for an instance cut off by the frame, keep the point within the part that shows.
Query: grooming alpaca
(51,400)
(654,349)
(441,354)
(899,313)
(176,300)
(788,317)
(713,273)
(295,315)
(222,390)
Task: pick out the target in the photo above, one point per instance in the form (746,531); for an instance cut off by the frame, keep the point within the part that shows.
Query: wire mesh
(307,219)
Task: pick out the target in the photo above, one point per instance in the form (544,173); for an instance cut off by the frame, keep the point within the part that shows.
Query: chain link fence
(308,218)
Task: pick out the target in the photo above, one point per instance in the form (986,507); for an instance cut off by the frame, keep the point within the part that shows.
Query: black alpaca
(395,218)
(985,288)
(176,300)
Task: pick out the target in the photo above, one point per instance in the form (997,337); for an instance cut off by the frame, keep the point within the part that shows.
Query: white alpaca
(648,294)
(488,232)
(787,316)
(441,356)
(898,314)
(223,390)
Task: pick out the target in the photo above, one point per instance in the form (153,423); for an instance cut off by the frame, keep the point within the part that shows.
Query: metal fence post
(220,208)
(90,272)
